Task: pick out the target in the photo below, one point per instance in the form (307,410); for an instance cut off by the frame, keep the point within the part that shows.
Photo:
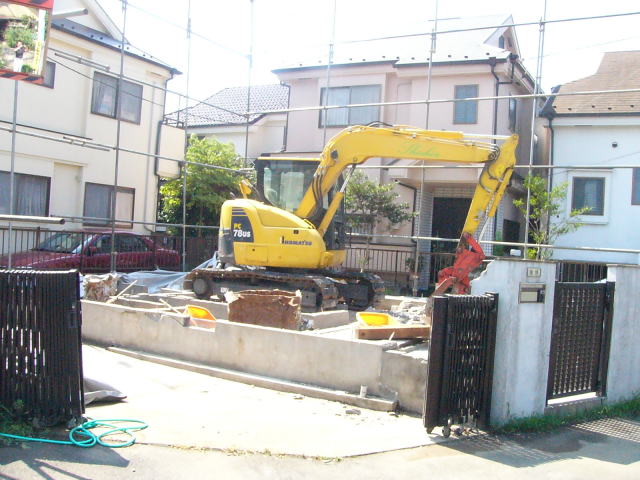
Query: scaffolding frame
(117,149)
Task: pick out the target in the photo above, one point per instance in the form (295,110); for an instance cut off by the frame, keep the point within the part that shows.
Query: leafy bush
(16,33)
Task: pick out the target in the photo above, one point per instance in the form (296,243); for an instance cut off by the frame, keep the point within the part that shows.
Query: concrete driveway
(205,427)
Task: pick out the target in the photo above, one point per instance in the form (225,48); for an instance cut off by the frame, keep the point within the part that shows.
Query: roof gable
(617,71)
(96,18)
(458,46)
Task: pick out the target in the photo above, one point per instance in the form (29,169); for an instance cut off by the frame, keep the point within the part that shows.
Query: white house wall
(264,136)
(588,141)
(66,110)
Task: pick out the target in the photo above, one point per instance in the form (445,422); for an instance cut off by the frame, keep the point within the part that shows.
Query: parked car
(90,252)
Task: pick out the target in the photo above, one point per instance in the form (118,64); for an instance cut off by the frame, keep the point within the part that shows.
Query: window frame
(15,192)
(459,101)
(635,186)
(95,223)
(590,218)
(117,112)
(322,112)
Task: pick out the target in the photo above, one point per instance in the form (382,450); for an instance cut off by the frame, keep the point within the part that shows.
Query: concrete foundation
(310,358)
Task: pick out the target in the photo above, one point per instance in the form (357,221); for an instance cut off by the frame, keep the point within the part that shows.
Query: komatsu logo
(304,243)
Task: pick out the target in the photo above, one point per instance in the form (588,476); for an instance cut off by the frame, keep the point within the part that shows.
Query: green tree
(369,205)
(545,222)
(207,188)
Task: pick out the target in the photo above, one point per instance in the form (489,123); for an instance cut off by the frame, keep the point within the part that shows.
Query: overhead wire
(246,114)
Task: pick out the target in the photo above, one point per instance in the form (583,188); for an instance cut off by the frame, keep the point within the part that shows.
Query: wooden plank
(398,331)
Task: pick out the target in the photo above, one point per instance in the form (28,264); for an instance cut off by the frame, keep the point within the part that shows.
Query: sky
(279,32)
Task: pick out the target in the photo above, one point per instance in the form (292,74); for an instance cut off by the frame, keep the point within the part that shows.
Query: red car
(90,252)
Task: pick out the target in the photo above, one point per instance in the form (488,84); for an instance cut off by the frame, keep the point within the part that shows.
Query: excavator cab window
(283,183)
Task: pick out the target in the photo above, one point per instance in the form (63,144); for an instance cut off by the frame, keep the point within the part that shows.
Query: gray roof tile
(617,71)
(227,107)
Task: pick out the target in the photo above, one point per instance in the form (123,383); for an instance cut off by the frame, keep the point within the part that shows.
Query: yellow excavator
(287,231)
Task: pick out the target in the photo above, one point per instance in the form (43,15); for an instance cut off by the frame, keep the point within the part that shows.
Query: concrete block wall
(623,376)
(282,354)
(523,338)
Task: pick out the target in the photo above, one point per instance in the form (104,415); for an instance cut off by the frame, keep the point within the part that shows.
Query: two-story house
(600,130)
(476,62)
(67,127)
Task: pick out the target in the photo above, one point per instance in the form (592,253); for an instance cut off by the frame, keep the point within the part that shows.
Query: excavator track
(320,290)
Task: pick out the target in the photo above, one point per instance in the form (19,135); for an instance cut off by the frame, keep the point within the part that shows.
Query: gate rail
(40,344)
(462,348)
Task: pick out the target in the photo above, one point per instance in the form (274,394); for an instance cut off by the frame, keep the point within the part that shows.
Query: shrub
(16,33)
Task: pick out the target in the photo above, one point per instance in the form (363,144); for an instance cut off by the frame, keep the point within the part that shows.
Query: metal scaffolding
(59,57)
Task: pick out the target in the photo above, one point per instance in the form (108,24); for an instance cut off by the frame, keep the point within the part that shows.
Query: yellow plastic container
(375,319)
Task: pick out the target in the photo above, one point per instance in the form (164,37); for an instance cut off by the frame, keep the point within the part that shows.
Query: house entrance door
(449,215)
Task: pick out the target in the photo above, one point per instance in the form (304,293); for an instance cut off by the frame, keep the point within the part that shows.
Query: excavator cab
(282,183)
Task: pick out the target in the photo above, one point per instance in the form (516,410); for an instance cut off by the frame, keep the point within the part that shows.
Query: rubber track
(322,283)
(317,284)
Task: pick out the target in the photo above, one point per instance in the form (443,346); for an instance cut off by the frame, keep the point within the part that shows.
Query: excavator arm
(356,145)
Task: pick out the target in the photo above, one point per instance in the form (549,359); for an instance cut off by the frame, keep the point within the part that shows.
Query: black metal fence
(40,345)
(397,266)
(90,251)
(460,374)
(580,339)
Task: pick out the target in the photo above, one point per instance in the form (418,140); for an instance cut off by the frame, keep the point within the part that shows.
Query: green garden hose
(82,436)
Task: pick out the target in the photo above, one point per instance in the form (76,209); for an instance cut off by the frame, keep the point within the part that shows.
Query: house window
(588,192)
(342,117)
(49,77)
(107,100)
(513,107)
(466,112)
(501,42)
(97,205)
(30,194)
(635,189)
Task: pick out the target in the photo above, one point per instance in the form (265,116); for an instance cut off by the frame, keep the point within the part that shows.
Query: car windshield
(62,242)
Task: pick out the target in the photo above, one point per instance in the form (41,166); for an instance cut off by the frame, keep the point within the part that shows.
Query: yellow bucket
(375,319)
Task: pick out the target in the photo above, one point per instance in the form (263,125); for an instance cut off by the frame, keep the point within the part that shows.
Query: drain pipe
(492,63)
(285,134)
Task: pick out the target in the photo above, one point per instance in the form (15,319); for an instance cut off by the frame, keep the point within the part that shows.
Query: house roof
(459,46)
(617,71)
(227,106)
(106,40)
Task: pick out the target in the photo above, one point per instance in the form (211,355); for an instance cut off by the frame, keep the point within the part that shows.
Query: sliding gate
(40,345)
(580,339)
(462,347)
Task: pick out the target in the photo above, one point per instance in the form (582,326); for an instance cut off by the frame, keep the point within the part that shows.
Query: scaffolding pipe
(12,173)
(119,92)
(249,74)
(532,139)
(31,219)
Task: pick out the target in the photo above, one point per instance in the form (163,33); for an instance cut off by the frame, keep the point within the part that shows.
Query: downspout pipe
(286,122)
(492,63)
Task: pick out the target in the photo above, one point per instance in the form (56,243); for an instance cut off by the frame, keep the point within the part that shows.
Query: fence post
(433,390)
(606,339)
(485,415)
